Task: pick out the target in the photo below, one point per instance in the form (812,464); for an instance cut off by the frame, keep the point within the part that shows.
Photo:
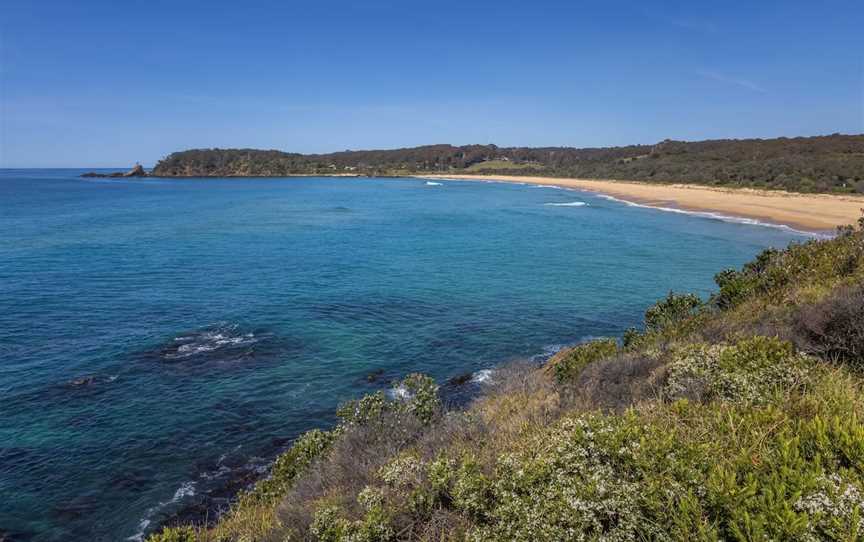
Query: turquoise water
(162,340)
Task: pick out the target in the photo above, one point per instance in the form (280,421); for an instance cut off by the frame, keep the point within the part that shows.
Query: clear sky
(107,83)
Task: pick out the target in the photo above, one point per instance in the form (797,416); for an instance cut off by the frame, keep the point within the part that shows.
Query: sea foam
(208,340)
(482,376)
(716,216)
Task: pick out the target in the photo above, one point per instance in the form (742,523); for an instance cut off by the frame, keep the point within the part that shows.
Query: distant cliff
(832,163)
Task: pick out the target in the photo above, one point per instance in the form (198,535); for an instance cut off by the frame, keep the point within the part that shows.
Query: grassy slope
(500,165)
(735,419)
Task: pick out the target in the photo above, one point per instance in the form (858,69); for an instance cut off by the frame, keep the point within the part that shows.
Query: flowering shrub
(749,371)
(835,510)
(329,525)
(361,411)
(404,470)
(420,398)
(562,490)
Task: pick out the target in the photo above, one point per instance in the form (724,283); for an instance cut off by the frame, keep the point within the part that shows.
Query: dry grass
(834,327)
(619,382)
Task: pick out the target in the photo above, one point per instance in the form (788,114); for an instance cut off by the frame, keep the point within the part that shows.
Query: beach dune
(812,212)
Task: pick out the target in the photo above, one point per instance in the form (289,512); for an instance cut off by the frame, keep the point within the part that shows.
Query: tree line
(833,163)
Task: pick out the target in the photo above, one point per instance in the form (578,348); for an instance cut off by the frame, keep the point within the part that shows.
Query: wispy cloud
(706,27)
(737,81)
(701,26)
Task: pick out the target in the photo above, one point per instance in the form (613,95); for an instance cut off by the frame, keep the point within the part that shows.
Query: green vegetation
(739,418)
(570,362)
(502,165)
(804,164)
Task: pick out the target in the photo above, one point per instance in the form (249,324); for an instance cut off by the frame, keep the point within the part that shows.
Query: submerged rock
(461,380)
(83,381)
(374,375)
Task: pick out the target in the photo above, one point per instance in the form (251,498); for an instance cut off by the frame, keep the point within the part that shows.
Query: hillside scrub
(736,418)
(803,164)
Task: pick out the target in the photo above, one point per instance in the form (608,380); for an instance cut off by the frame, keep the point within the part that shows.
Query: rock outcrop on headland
(137,171)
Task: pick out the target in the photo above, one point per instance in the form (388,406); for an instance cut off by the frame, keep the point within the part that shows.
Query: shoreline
(811,213)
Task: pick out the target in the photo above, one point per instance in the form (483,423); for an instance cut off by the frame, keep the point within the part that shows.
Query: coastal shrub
(787,469)
(671,310)
(735,286)
(417,394)
(469,488)
(175,534)
(330,525)
(749,371)
(577,481)
(764,273)
(423,401)
(836,509)
(405,470)
(310,446)
(253,514)
(775,277)
(367,408)
(631,338)
(355,461)
(568,363)
(834,327)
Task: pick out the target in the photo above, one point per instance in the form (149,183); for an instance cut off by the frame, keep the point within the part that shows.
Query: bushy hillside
(805,164)
(733,418)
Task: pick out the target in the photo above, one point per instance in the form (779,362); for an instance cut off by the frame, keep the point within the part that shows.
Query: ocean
(162,340)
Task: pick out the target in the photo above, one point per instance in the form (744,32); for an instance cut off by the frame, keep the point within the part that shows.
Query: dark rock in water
(374,375)
(87,382)
(83,381)
(461,380)
(137,171)
(78,508)
(10,536)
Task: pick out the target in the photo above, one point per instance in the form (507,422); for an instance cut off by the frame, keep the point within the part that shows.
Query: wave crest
(568,204)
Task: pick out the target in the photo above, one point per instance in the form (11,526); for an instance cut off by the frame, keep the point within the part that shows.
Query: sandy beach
(811,212)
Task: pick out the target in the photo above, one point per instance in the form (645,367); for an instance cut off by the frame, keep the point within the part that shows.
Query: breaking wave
(568,204)
(228,338)
(482,376)
(186,489)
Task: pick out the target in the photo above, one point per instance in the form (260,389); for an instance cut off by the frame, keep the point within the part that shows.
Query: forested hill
(832,163)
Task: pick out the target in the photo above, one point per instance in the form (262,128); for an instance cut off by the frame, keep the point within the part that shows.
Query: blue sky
(92,83)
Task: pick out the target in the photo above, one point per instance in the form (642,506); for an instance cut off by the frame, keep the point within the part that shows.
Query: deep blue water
(160,338)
